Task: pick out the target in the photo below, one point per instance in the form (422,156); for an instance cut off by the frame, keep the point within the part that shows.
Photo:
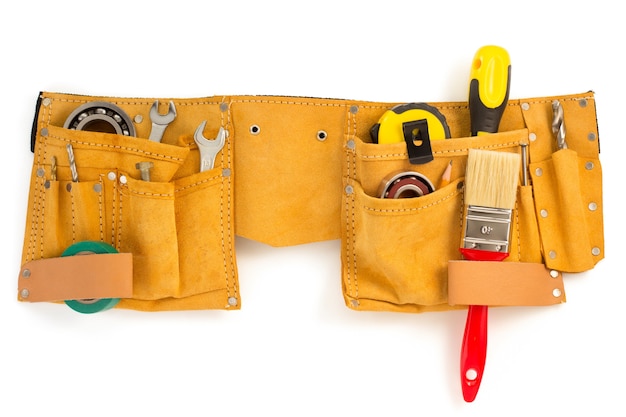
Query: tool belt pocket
(568,204)
(395,252)
(178,229)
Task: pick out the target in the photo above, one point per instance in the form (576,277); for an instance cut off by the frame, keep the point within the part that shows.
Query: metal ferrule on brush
(487,228)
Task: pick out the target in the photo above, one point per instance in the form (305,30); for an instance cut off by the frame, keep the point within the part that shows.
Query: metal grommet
(26,273)
(111,176)
(123,179)
(589,166)
(40,172)
(552,254)
(24,293)
(322,135)
(544,213)
(226,172)
(46,185)
(539,172)
(232,301)
(44,131)
(354,109)
(593,206)
(350,144)
(591,136)
(349,189)
(138,119)
(97,187)
(532,137)
(525,106)
(355,303)
(46,102)
(554,273)
(460,185)
(255,129)
(223,106)
(595,251)
(583,103)
(68,187)
(556,292)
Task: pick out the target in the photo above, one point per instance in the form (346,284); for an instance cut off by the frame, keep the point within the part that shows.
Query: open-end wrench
(209,148)
(160,121)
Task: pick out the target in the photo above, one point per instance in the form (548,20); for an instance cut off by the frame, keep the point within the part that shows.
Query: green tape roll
(95,305)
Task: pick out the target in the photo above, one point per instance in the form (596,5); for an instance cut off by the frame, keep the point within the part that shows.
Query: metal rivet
(232,301)
(223,106)
(552,254)
(68,187)
(554,274)
(349,189)
(354,109)
(97,187)
(321,135)
(593,206)
(46,102)
(226,172)
(355,303)
(471,374)
(138,118)
(26,273)
(595,251)
(591,136)
(40,172)
(44,132)
(123,179)
(255,129)
(539,172)
(583,103)
(532,137)
(25,293)
(544,213)
(46,185)
(556,292)
(460,185)
(525,106)
(350,144)
(589,166)
(111,176)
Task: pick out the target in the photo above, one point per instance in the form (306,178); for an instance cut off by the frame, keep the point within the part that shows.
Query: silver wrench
(209,148)
(160,121)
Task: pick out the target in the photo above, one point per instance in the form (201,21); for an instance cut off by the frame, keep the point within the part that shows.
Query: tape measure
(92,305)
(414,123)
(100,116)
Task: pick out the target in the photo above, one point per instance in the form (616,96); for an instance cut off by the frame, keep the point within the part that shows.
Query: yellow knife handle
(490,80)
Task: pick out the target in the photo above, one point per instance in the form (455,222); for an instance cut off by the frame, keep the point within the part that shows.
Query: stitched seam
(519,245)
(197,183)
(494,146)
(120,219)
(352,121)
(73,205)
(100,212)
(123,148)
(414,209)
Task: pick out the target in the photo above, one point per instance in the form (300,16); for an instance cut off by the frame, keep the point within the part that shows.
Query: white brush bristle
(491,178)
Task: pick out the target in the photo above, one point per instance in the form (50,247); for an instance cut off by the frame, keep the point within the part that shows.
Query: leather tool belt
(291,171)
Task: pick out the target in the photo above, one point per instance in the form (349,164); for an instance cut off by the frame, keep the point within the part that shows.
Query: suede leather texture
(299,170)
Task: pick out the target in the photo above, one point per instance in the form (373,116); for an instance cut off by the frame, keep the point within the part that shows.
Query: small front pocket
(397,251)
(204,221)
(145,215)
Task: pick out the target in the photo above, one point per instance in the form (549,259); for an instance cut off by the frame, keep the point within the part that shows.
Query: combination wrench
(160,121)
(209,148)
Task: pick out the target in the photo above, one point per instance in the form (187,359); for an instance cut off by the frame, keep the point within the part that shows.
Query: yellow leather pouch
(298,170)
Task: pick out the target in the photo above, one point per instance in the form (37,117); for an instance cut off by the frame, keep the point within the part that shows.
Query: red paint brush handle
(473,351)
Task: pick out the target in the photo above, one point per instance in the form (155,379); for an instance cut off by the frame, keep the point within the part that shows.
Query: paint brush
(490,190)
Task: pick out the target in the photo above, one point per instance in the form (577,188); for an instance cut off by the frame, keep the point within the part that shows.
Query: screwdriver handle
(490,80)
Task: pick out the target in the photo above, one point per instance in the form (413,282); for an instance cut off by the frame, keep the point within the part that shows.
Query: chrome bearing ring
(407,184)
(100,116)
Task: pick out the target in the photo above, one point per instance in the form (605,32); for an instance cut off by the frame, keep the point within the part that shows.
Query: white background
(295,349)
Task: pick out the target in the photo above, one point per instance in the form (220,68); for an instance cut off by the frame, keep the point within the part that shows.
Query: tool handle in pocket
(490,80)
(473,351)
